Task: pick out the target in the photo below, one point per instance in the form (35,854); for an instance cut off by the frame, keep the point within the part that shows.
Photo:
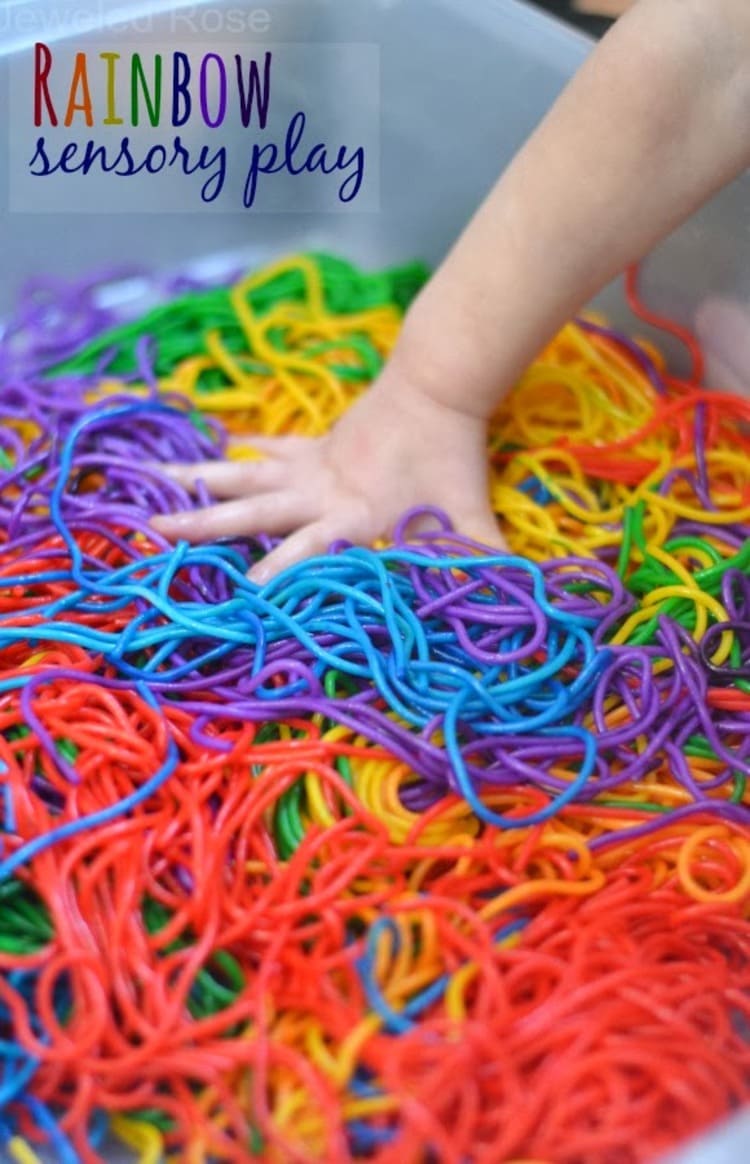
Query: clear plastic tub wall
(462,84)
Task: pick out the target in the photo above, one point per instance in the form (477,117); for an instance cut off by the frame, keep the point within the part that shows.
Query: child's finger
(350,520)
(271,513)
(229,478)
(307,542)
(284,447)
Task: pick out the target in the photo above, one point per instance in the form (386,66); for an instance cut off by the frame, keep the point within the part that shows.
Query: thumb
(308,542)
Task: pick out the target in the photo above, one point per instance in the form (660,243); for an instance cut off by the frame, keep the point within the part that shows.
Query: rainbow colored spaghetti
(413,854)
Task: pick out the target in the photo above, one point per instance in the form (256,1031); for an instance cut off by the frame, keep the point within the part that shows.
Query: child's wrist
(439,365)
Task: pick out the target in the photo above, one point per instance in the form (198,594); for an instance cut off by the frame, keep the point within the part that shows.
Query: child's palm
(395,449)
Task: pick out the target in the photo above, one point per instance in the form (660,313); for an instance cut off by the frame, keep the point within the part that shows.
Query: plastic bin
(461,85)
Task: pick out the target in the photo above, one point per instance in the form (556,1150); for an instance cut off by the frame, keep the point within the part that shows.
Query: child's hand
(650,127)
(396,448)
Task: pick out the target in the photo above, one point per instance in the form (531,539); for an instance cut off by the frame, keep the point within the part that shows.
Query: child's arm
(655,122)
